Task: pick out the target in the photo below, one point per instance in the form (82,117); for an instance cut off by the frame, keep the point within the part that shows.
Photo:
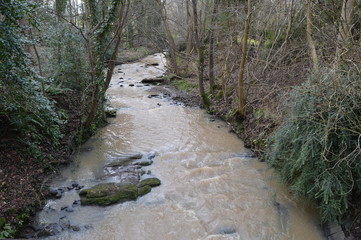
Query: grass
(184,85)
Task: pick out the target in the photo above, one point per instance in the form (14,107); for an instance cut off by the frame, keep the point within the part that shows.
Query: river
(211,187)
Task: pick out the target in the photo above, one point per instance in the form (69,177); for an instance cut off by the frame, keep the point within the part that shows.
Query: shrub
(317,147)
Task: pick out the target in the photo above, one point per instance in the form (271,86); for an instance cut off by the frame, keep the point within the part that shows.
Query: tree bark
(200,49)
(344,33)
(241,95)
(189,30)
(118,36)
(211,47)
(311,43)
(171,43)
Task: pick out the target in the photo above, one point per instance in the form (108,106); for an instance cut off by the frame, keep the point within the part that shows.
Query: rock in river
(108,193)
(152,182)
(123,159)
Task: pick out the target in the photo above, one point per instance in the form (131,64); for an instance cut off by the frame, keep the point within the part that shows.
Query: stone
(144,163)
(50,230)
(108,193)
(53,191)
(69,210)
(75,228)
(122,160)
(153,80)
(79,187)
(111,113)
(131,85)
(59,195)
(226,230)
(144,190)
(153,182)
(151,155)
(63,208)
(154,96)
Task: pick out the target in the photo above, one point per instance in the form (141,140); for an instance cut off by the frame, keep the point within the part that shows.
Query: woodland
(284,73)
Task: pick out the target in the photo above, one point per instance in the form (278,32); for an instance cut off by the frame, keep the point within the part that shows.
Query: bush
(317,148)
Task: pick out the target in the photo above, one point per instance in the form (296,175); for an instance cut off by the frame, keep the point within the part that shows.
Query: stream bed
(212,187)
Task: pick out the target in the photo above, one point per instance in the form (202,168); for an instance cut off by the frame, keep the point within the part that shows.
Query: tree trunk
(171,43)
(200,49)
(118,36)
(189,30)
(241,95)
(344,33)
(311,43)
(211,47)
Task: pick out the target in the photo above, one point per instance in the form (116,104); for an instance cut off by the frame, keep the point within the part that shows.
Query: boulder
(152,182)
(108,193)
(144,163)
(144,190)
(122,160)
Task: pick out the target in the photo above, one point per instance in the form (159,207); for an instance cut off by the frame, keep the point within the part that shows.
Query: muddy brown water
(210,188)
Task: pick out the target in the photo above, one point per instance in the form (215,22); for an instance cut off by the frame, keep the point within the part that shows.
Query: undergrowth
(317,148)
(184,85)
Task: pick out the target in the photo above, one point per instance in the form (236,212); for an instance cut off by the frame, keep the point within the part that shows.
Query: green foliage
(317,148)
(22,104)
(7,232)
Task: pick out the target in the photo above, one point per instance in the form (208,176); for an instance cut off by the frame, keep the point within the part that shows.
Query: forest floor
(23,176)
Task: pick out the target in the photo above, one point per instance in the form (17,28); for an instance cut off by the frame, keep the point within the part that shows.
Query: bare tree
(344,33)
(211,46)
(170,39)
(241,94)
(200,49)
(311,43)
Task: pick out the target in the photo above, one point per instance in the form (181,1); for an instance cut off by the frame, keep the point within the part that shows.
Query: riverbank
(265,111)
(25,171)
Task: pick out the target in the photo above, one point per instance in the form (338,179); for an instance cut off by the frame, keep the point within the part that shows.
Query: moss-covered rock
(144,163)
(152,182)
(144,190)
(125,159)
(108,193)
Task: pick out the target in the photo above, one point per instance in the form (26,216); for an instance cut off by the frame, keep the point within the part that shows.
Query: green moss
(108,193)
(144,163)
(144,190)
(184,85)
(152,182)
